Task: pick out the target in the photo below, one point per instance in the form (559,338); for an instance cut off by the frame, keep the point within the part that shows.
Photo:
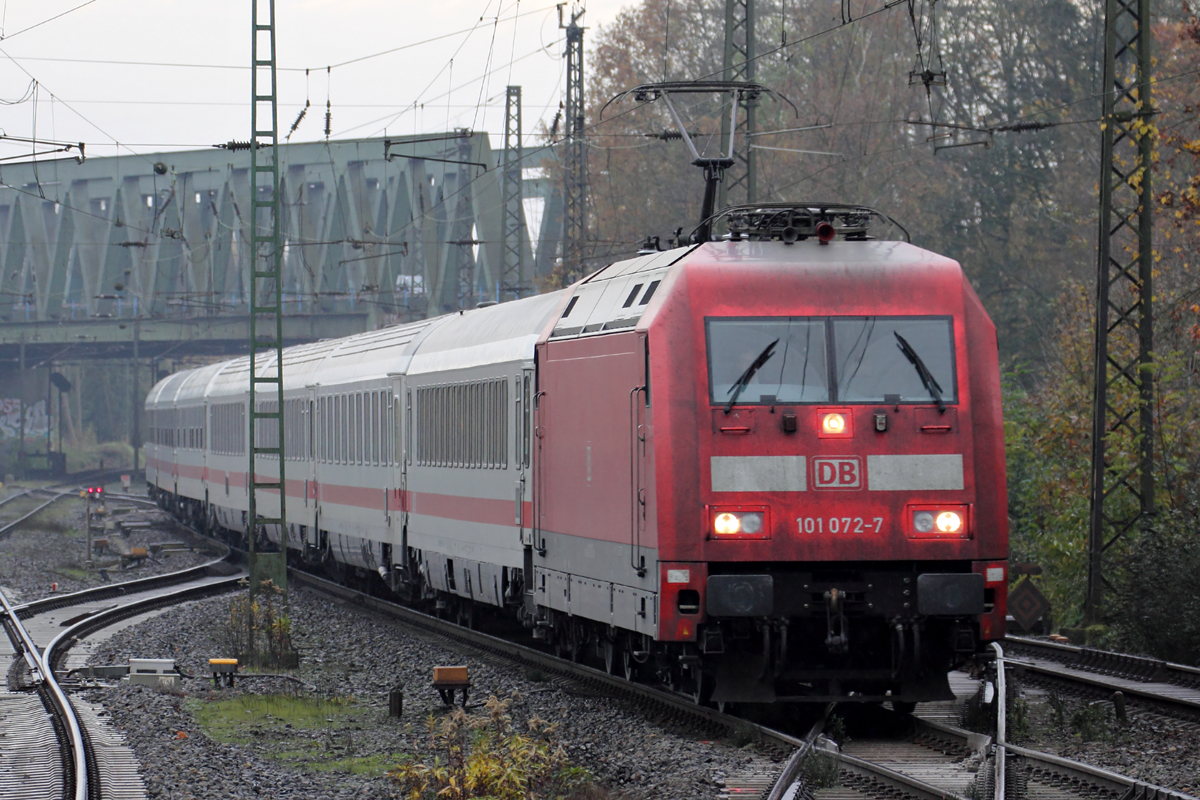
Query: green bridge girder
(156,247)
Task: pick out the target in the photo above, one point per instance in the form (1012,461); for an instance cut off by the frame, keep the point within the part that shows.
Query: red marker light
(825,232)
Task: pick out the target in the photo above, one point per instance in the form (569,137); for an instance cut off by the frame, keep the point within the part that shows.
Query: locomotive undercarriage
(856,632)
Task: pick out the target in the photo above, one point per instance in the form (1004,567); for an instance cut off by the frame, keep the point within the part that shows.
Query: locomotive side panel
(597,520)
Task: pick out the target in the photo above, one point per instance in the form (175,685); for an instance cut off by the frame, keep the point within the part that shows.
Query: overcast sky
(190,85)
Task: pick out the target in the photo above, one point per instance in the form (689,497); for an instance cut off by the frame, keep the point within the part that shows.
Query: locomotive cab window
(767,360)
(880,359)
(784,360)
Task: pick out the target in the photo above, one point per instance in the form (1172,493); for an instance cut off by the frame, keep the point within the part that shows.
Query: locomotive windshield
(875,360)
(793,371)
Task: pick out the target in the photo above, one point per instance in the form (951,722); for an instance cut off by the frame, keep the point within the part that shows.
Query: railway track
(10,508)
(1160,686)
(14,509)
(47,642)
(921,758)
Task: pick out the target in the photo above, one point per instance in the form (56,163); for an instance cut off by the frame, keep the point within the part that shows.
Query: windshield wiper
(741,382)
(927,378)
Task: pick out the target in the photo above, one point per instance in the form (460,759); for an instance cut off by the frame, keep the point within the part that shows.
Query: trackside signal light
(833,424)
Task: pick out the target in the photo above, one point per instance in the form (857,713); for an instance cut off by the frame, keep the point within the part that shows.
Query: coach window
(319,430)
(344,429)
(335,457)
(364,415)
(455,426)
(371,440)
(376,428)
(360,439)
(356,425)
(880,359)
(356,428)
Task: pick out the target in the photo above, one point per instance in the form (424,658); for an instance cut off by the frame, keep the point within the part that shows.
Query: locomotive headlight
(948,522)
(727,523)
(833,423)
(738,523)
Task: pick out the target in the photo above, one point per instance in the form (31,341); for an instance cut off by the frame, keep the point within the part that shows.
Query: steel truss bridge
(147,256)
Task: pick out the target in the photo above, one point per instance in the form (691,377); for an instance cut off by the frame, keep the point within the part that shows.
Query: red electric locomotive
(796,451)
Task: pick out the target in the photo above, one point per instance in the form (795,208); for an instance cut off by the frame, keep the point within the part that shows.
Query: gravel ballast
(348,653)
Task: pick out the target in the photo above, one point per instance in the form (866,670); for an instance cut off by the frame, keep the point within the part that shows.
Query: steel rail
(117,590)
(1001,723)
(1163,687)
(1130,667)
(61,644)
(17,496)
(1073,771)
(7,529)
(63,709)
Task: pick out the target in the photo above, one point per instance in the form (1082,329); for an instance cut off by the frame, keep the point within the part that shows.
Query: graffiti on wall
(37,423)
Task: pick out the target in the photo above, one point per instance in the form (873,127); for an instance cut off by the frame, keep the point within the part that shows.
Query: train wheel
(702,686)
(564,646)
(466,614)
(628,666)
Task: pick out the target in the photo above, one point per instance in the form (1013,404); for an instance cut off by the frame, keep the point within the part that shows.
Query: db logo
(840,472)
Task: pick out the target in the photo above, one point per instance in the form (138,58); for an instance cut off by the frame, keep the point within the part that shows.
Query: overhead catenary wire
(347,62)
(5,37)
(73,110)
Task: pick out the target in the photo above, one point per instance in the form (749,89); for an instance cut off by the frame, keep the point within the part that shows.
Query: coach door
(400,411)
(523,453)
(312,443)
